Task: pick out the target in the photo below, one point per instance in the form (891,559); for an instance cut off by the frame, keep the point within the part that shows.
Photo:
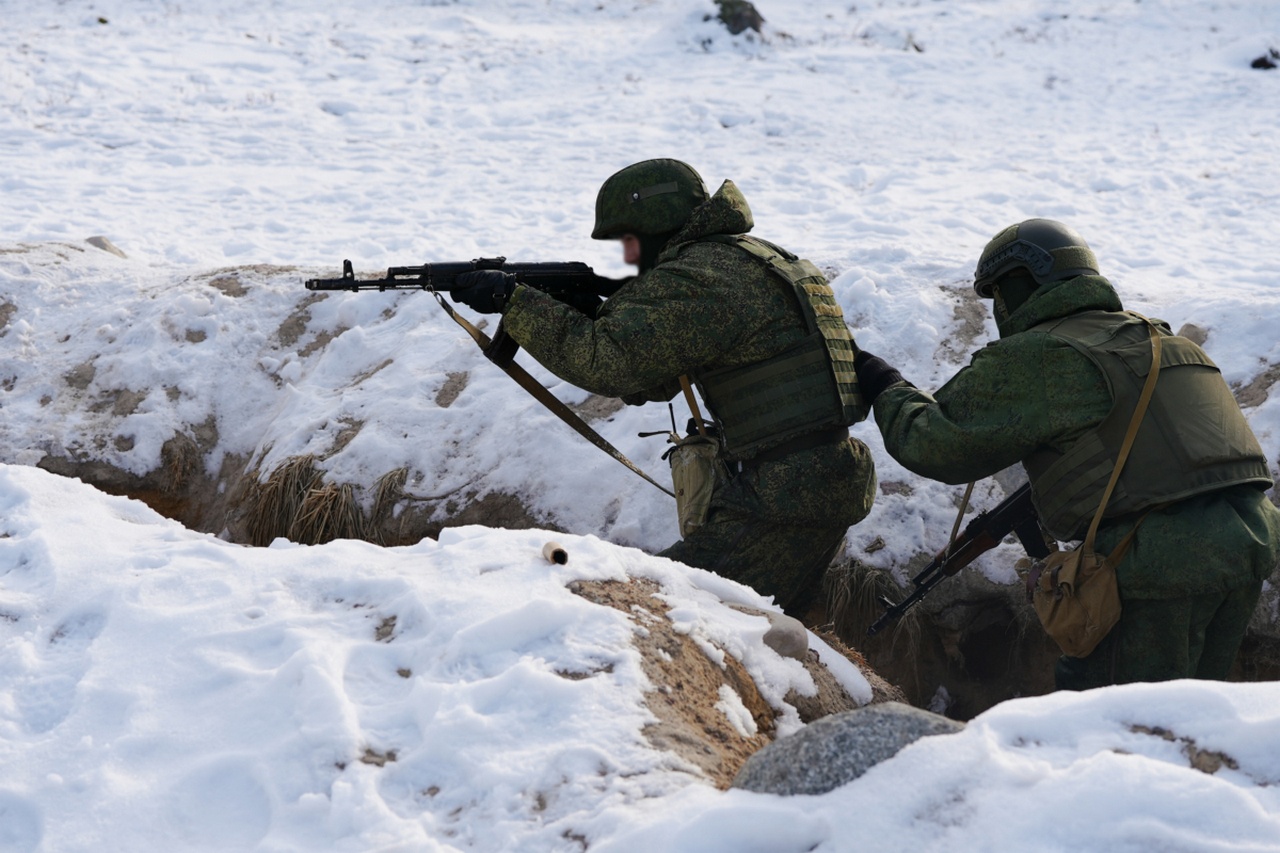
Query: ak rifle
(557,278)
(1015,514)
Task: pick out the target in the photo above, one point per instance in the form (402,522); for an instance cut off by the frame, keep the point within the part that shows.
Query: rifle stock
(1015,514)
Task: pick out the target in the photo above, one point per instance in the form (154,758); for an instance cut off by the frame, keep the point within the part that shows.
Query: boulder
(838,749)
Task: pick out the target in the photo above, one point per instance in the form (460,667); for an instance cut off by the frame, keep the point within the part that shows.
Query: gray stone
(100,242)
(838,749)
(786,635)
(1196,334)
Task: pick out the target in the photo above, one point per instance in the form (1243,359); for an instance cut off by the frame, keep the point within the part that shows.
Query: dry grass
(271,505)
(327,512)
(295,502)
(852,590)
(388,492)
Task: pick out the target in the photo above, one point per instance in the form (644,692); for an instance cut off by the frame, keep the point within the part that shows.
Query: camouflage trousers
(787,563)
(1164,639)
(777,527)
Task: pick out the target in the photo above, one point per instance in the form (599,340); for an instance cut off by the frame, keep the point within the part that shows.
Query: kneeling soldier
(1058,393)
(758,331)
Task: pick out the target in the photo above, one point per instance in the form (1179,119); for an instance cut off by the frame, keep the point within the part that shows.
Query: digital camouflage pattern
(777,524)
(1030,390)
(652,197)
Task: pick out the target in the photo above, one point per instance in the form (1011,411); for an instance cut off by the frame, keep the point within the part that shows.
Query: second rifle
(1015,514)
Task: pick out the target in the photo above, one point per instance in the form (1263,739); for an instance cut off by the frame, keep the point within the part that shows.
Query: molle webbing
(810,386)
(1194,438)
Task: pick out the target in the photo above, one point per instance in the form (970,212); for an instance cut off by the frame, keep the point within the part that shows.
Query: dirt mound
(688,693)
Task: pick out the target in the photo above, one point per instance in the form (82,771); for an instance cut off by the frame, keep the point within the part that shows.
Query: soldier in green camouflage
(757,331)
(1056,393)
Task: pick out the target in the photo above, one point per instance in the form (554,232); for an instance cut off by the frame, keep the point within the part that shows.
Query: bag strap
(505,360)
(1134,423)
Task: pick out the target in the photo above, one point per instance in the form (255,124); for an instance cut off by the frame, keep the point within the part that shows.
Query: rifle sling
(503,356)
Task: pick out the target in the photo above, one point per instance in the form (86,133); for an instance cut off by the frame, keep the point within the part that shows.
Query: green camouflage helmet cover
(1048,250)
(647,198)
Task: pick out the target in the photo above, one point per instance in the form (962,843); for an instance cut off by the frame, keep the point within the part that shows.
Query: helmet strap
(1011,291)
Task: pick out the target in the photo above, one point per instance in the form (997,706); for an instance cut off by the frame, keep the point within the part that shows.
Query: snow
(164,689)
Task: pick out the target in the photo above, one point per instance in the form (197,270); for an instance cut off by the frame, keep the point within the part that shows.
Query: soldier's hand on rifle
(485,291)
(874,374)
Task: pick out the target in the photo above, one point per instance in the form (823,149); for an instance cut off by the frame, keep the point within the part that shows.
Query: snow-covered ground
(161,689)
(166,690)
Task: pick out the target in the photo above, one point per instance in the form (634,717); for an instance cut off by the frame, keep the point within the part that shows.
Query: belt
(808,441)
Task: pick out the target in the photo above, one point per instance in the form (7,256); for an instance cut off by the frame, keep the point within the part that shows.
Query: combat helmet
(1047,249)
(647,198)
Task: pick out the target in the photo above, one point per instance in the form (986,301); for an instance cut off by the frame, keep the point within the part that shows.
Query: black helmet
(648,198)
(1048,250)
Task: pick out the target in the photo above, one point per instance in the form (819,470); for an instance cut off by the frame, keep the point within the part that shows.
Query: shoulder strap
(542,395)
(1134,423)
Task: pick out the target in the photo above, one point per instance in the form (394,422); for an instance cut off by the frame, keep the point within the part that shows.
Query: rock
(786,635)
(740,15)
(835,750)
(100,242)
(1196,334)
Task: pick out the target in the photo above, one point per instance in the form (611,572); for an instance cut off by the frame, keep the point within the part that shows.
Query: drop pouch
(696,470)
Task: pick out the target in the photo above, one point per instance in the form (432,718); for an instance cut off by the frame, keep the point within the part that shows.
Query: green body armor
(808,387)
(1193,438)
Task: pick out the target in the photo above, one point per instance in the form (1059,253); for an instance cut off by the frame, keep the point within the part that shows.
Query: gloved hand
(874,374)
(485,291)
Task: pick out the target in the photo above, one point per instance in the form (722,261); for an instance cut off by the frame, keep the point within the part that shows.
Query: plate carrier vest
(1194,438)
(808,387)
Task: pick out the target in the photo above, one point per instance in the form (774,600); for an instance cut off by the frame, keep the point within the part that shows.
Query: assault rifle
(1015,514)
(557,278)
(566,281)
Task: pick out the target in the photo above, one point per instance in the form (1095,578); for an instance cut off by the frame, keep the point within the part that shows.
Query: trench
(979,648)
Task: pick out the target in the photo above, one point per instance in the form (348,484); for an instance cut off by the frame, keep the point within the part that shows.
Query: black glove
(485,291)
(874,374)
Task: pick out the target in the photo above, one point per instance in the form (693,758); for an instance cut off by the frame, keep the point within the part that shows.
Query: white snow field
(163,689)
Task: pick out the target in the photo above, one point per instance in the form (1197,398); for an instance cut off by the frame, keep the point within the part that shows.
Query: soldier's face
(631,249)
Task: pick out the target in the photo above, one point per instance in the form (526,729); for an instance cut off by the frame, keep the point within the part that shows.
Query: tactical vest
(808,387)
(1193,438)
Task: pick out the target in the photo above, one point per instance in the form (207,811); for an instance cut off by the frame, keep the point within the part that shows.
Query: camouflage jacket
(1029,390)
(707,305)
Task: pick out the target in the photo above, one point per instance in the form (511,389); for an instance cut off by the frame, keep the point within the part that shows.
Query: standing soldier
(1057,393)
(759,333)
